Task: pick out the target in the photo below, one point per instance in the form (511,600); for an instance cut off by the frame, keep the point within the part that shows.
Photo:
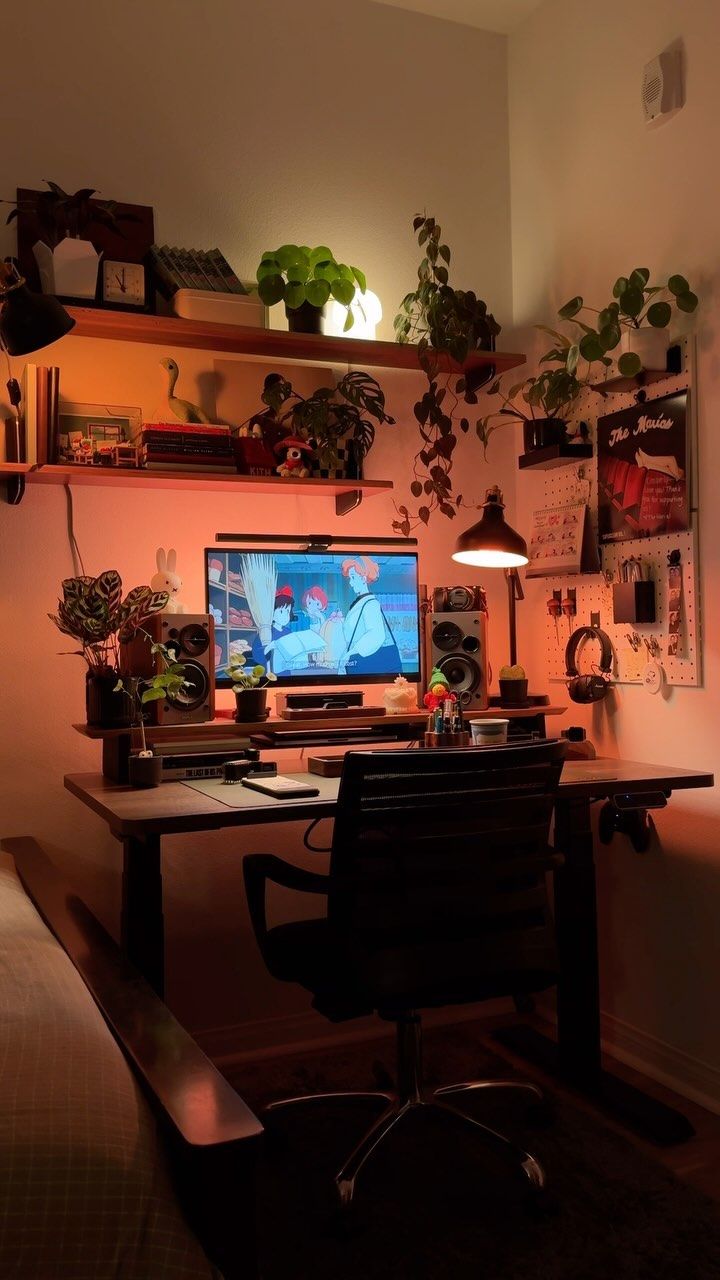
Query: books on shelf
(186,446)
(39,412)
(192,269)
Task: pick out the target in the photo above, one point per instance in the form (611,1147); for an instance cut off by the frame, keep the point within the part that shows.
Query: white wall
(244,125)
(595,193)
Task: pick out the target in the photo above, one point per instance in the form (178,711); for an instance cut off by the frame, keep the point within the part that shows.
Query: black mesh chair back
(437,876)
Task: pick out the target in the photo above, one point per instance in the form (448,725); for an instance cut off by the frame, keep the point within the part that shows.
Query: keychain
(653,674)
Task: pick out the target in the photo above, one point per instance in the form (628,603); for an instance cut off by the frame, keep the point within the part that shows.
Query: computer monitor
(316,617)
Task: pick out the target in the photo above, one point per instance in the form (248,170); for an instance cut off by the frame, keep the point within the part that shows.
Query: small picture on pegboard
(643,458)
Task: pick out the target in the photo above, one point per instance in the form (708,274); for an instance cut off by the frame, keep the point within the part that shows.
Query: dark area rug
(435,1204)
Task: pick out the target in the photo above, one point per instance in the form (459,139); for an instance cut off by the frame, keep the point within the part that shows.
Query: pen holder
(460,739)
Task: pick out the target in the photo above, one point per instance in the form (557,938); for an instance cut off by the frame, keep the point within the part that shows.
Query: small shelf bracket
(347,502)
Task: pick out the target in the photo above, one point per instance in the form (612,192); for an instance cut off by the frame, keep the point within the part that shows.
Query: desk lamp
(28,321)
(492,544)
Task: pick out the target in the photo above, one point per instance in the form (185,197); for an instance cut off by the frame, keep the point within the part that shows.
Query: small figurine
(400,697)
(438,691)
(184,410)
(294,453)
(166,579)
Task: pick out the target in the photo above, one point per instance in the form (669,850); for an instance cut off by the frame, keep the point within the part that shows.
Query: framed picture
(643,468)
(90,434)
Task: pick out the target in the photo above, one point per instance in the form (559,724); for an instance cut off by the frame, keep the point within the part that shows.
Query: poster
(643,470)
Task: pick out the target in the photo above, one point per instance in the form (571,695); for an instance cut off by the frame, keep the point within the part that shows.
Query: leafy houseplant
(549,396)
(249,684)
(304,279)
(145,768)
(441,321)
(330,415)
(636,319)
(93,612)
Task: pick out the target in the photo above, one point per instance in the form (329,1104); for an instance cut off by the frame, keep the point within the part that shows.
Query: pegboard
(594,591)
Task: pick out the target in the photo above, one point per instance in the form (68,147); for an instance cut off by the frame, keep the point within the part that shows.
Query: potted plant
(304,279)
(543,403)
(249,685)
(637,320)
(513,686)
(335,421)
(93,612)
(66,258)
(144,767)
(441,321)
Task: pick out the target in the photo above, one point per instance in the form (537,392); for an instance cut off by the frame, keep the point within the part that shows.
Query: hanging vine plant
(441,321)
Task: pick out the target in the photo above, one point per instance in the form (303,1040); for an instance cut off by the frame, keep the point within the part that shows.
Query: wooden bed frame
(211,1135)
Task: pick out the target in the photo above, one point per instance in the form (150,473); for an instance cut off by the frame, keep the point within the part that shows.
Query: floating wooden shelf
(619,385)
(15,469)
(347,493)
(274,344)
(555,455)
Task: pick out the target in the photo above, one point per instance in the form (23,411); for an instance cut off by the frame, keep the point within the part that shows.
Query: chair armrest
(258,868)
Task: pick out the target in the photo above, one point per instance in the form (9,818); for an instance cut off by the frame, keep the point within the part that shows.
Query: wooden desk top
(176,807)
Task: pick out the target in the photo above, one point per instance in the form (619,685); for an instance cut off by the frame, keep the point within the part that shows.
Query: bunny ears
(166,564)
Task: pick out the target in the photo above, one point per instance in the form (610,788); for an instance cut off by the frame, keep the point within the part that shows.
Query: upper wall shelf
(275,344)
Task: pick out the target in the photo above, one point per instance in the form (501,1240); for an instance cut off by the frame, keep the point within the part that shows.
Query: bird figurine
(184,410)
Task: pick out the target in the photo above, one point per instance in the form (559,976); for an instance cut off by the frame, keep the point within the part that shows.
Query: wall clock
(123,284)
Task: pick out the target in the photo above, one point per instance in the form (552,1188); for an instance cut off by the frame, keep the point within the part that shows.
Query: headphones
(588,688)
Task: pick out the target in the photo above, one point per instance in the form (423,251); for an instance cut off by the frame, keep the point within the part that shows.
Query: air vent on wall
(662,88)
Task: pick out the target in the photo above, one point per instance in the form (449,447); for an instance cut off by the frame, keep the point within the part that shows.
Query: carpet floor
(435,1204)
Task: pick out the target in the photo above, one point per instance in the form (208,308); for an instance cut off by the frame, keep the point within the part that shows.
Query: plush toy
(294,452)
(166,579)
(438,691)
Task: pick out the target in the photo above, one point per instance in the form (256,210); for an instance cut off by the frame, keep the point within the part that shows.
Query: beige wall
(244,125)
(594,193)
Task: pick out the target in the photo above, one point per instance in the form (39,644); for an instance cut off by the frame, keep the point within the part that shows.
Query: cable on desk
(315,848)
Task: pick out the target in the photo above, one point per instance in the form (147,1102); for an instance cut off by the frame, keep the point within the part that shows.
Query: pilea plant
(442,321)
(635,303)
(141,690)
(295,274)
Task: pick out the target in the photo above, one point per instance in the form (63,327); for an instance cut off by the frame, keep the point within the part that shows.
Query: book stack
(180,446)
(202,269)
(39,416)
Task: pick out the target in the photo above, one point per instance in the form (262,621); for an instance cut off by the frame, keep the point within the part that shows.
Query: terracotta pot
(251,705)
(305,319)
(541,433)
(105,709)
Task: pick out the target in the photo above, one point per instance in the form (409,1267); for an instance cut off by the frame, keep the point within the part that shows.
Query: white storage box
(220,308)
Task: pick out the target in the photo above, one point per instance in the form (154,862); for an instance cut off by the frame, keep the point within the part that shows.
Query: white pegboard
(594,591)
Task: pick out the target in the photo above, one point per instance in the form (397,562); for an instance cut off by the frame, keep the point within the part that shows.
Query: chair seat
(311,953)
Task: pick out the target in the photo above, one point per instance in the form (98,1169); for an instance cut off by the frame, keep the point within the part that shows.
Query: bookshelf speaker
(191,636)
(458,648)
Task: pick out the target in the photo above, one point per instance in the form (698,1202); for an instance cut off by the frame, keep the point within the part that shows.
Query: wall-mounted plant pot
(648,344)
(514,693)
(305,318)
(251,706)
(541,433)
(145,771)
(104,708)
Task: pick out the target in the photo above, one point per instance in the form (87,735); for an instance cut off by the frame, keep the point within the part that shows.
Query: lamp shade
(491,543)
(29,321)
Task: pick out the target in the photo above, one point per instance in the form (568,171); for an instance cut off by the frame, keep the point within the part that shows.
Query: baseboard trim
(240,1042)
(690,1077)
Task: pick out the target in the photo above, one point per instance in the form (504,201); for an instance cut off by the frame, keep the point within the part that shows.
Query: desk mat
(236,796)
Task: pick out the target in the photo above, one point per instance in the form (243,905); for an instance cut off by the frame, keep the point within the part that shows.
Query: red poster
(643,470)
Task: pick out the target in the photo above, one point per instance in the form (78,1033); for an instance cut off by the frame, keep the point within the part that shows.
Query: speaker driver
(197,688)
(462,674)
(447,636)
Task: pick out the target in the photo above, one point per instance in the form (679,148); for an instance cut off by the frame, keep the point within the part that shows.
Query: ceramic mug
(489,733)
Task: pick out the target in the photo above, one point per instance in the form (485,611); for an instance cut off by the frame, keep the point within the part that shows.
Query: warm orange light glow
(485,558)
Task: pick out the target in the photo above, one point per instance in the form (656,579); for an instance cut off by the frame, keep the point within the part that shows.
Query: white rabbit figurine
(166,579)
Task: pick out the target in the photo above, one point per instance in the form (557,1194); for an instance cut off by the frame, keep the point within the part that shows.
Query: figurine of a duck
(184,410)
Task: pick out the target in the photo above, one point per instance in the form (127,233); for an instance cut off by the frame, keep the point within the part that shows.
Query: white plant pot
(650,345)
(69,271)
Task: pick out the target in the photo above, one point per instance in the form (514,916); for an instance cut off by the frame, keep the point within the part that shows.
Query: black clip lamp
(492,544)
(28,321)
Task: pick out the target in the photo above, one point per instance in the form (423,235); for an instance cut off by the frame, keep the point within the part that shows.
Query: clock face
(124,282)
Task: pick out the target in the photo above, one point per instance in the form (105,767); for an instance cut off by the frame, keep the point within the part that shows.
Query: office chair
(435,896)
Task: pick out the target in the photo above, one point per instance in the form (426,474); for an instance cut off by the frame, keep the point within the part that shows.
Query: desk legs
(142,926)
(576,1056)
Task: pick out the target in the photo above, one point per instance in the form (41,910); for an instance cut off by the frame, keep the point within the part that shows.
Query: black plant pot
(251,705)
(305,319)
(105,709)
(513,693)
(145,771)
(541,433)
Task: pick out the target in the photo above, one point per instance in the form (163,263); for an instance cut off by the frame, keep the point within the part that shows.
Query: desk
(141,818)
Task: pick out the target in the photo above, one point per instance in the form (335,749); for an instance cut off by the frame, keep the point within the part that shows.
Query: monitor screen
(315,617)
